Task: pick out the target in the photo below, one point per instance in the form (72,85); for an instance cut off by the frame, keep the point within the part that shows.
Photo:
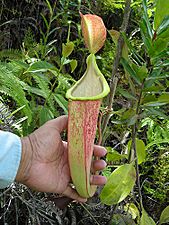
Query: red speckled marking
(94,31)
(82,123)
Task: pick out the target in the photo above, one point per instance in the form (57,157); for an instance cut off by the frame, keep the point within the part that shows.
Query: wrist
(25,163)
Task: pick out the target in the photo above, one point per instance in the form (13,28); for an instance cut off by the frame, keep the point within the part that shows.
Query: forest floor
(21,206)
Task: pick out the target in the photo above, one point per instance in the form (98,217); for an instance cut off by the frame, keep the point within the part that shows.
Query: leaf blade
(146,219)
(164,218)
(119,185)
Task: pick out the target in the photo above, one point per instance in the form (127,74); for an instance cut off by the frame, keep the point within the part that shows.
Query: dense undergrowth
(41,55)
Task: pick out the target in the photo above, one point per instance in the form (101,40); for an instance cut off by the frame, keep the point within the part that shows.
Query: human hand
(44,165)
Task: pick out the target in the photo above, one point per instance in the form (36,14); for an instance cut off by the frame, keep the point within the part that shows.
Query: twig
(134,135)
(100,129)
(72,215)
(113,85)
(114,78)
(99,136)
(4,192)
(90,214)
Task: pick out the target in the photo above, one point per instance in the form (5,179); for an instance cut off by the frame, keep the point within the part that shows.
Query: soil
(21,206)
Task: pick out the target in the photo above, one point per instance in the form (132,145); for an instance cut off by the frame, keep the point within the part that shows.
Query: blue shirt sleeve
(10,156)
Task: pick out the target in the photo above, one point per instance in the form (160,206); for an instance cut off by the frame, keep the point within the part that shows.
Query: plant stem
(109,108)
(134,134)
(48,30)
(100,129)
(114,78)
(133,147)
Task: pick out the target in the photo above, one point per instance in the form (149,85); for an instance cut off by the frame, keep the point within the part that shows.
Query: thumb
(72,193)
(60,123)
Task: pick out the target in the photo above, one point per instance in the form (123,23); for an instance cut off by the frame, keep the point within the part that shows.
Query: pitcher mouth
(92,85)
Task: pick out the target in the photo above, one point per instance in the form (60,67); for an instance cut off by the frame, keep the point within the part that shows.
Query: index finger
(60,123)
(99,151)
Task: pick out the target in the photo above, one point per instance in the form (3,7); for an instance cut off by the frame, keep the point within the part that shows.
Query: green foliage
(11,86)
(114,156)
(122,220)
(6,54)
(144,85)
(35,76)
(132,209)
(164,218)
(119,184)
(140,150)
(38,81)
(160,13)
(113,5)
(160,177)
(105,59)
(157,158)
(146,219)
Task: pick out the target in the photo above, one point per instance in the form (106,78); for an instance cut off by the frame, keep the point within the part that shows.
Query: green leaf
(129,117)
(164,98)
(157,112)
(120,219)
(141,152)
(39,66)
(166,63)
(45,115)
(115,36)
(45,20)
(49,7)
(132,120)
(65,61)
(146,19)
(64,82)
(164,218)
(117,219)
(133,50)
(164,26)
(119,184)
(159,45)
(146,219)
(153,101)
(126,94)
(141,71)
(140,148)
(128,114)
(133,210)
(155,104)
(73,65)
(155,73)
(145,35)
(67,49)
(157,142)
(62,102)
(162,10)
(34,90)
(149,98)
(130,70)
(10,85)
(114,156)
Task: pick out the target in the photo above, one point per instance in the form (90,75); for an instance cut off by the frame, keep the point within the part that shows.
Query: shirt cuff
(10,157)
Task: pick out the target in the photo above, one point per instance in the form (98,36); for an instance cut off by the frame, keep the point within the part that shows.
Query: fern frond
(11,85)
(43,84)
(10,54)
(64,82)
